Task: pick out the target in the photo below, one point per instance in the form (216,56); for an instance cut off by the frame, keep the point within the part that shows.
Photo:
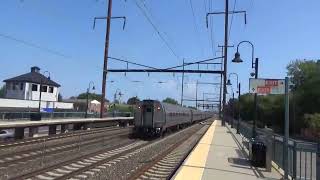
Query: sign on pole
(276,86)
(267,86)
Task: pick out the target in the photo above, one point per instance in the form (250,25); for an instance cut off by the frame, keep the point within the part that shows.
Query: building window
(50,89)
(21,86)
(34,87)
(44,88)
(14,86)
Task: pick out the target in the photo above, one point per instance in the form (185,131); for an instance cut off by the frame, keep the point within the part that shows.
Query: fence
(304,157)
(58,115)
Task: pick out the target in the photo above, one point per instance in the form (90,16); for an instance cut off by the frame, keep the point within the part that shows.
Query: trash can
(258,153)
(35,117)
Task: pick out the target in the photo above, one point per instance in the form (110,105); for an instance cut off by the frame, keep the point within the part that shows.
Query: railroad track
(79,167)
(25,156)
(128,160)
(53,137)
(164,165)
(19,165)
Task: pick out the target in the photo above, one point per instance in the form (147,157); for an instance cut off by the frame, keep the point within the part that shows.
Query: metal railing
(304,157)
(58,115)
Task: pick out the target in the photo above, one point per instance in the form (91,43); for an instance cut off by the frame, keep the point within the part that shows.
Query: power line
(156,29)
(211,34)
(195,25)
(30,44)
(234,7)
(148,9)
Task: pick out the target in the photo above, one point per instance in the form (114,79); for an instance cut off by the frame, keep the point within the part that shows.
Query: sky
(58,36)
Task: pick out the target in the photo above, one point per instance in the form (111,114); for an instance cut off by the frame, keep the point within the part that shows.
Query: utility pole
(223,82)
(225,63)
(105,61)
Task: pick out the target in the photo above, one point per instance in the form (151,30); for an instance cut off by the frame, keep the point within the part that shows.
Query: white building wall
(45,96)
(16,103)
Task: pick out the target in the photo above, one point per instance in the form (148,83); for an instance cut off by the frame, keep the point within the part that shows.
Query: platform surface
(28,123)
(218,155)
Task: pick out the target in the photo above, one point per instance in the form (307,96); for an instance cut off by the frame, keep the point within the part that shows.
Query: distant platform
(7,124)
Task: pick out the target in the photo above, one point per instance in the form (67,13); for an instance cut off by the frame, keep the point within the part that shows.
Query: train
(154,118)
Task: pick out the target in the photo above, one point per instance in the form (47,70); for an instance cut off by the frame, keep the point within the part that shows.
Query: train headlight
(158,108)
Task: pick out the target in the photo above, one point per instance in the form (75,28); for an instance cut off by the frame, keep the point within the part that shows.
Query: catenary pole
(182,84)
(105,60)
(226,26)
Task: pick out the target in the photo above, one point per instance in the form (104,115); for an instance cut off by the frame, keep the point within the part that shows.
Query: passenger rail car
(153,118)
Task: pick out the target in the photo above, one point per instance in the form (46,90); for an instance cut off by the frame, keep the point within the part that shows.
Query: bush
(312,120)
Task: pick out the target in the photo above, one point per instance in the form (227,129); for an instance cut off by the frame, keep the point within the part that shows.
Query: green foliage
(2,91)
(120,108)
(92,96)
(304,100)
(312,120)
(170,101)
(133,100)
(307,89)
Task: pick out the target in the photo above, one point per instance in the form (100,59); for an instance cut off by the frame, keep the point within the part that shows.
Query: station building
(23,93)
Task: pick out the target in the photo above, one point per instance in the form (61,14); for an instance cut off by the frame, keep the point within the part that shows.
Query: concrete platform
(28,123)
(219,156)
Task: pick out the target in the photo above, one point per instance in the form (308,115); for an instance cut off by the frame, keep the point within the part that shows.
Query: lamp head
(229,82)
(93,88)
(237,58)
(252,74)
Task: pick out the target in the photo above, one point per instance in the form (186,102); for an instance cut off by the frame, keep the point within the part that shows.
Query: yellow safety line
(193,167)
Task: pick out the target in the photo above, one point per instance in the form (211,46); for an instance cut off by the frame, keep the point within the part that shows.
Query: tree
(312,120)
(133,100)
(91,96)
(2,91)
(170,101)
(304,100)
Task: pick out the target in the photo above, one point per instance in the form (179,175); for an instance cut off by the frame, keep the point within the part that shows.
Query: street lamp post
(239,93)
(232,109)
(197,94)
(40,94)
(87,104)
(255,65)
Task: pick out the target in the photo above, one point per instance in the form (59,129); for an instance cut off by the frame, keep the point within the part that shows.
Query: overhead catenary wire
(30,44)
(130,62)
(196,25)
(197,62)
(234,7)
(148,9)
(210,30)
(156,29)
